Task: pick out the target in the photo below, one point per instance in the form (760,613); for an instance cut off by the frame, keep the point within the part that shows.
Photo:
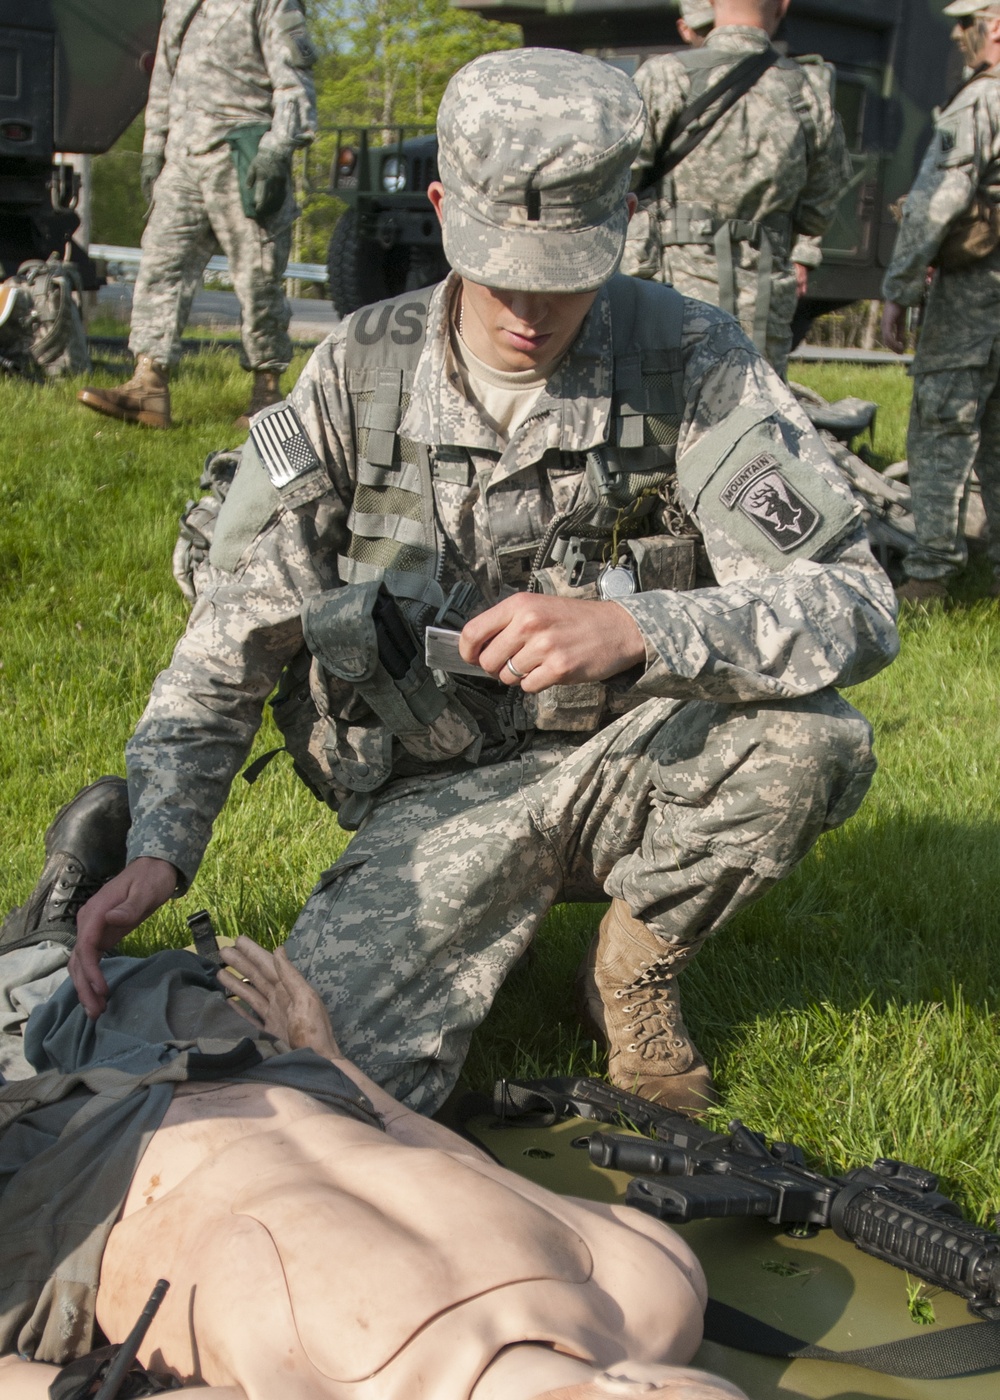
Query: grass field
(853,1009)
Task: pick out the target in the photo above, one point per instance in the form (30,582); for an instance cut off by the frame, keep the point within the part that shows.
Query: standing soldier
(951,222)
(770,167)
(231,98)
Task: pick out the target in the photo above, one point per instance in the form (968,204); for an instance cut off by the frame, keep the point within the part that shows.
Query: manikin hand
(115,910)
(893,326)
(552,641)
(278,996)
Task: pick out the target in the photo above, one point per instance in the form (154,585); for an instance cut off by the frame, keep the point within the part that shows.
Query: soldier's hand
(801,279)
(894,326)
(536,641)
(115,910)
(150,168)
(268,177)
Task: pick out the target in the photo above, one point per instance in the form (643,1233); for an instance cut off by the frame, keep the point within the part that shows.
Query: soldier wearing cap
(535,455)
(951,223)
(696,19)
(737,219)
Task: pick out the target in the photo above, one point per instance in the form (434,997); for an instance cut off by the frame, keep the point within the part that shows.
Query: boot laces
(69,893)
(653,1005)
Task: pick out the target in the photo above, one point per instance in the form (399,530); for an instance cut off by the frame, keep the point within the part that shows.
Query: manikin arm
(284,1003)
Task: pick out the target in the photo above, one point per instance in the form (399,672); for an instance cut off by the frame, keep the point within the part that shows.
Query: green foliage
(119,209)
(853,1009)
(382,63)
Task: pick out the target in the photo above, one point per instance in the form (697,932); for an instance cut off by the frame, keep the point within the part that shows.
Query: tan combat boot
(144,399)
(266,391)
(628,997)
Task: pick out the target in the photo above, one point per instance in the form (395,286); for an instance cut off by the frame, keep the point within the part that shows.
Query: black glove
(149,172)
(268,179)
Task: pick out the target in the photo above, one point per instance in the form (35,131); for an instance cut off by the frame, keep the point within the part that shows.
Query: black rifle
(685,1171)
(107,1373)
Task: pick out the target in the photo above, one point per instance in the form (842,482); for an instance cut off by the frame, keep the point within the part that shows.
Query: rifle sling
(933,1356)
(730,88)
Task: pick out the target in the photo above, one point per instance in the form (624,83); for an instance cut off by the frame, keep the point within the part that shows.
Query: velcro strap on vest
(383,416)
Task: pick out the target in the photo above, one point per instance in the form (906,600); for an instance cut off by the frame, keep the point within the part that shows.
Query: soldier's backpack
(41,321)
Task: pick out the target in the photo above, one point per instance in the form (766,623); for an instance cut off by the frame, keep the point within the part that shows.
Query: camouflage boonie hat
(699,14)
(535,150)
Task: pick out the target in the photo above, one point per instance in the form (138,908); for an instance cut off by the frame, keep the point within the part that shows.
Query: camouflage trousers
(954,429)
(196,209)
(687,811)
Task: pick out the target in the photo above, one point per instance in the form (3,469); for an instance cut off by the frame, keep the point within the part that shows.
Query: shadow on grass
(855,926)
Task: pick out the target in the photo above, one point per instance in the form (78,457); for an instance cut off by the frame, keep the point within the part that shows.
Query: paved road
(311,320)
(314,320)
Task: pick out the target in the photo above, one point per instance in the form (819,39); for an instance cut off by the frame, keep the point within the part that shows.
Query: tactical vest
(368,634)
(700,224)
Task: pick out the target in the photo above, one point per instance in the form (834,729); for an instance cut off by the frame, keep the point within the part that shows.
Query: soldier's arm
(664,87)
(943,190)
(270,552)
(157,103)
(829,167)
(289,57)
(800,602)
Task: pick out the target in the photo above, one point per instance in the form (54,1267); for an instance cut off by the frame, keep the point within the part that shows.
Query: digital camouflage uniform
(220,65)
(955,418)
(735,755)
(772,168)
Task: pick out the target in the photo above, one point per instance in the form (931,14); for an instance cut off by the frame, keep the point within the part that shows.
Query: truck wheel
(361,271)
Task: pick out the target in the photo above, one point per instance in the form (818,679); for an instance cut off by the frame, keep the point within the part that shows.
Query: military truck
(73,75)
(893,63)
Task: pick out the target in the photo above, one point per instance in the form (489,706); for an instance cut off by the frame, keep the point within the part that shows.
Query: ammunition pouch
(971,238)
(380,689)
(358,635)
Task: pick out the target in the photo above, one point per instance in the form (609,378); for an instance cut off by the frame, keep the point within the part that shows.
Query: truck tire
(359,270)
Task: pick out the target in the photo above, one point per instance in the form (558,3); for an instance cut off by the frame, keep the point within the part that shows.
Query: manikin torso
(304,1252)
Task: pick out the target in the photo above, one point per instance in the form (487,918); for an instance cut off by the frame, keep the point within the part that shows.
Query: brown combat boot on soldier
(628,998)
(266,391)
(144,399)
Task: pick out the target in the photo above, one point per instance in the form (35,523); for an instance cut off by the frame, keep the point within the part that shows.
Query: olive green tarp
(822,1290)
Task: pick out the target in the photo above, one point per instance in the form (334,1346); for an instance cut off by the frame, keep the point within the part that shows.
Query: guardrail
(123,264)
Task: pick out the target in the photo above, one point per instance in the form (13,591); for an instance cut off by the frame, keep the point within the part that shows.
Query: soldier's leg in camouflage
(257,257)
(683,813)
(408,937)
(942,446)
(176,245)
(988,471)
(694,811)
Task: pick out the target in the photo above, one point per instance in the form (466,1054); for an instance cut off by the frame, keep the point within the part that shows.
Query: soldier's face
(520,330)
(976,37)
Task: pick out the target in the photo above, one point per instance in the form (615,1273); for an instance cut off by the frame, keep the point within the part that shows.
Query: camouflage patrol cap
(699,14)
(535,150)
(958,9)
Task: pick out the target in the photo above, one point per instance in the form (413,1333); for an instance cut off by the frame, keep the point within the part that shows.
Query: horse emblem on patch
(763,494)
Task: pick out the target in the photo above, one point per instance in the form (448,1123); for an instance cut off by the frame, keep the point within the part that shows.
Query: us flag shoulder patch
(282,445)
